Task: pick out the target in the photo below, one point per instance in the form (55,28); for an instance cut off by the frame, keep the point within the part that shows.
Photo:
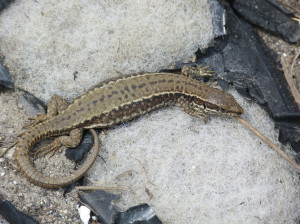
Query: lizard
(111,102)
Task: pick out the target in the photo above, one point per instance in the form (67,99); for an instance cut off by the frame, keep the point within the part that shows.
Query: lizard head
(223,103)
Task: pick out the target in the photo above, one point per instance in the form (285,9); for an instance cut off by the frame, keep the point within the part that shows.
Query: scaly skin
(118,100)
(41,180)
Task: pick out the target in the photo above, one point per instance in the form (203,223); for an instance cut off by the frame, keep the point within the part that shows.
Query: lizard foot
(195,71)
(51,148)
(36,120)
(72,140)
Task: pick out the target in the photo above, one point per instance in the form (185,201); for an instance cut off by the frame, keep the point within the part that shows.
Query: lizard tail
(22,157)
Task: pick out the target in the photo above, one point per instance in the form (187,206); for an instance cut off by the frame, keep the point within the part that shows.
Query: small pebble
(84,213)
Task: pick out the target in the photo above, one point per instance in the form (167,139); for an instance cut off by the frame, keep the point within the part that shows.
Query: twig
(289,77)
(270,143)
(108,188)
(150,195)
(104,188)
(146,173)
(128,172)
(296,19)
(294,61)
(5,150)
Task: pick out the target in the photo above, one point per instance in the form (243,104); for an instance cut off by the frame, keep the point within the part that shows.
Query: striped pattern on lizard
(115,101)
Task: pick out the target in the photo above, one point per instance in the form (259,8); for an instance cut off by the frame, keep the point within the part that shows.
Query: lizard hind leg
(55,106)
(35,120)
(70,141)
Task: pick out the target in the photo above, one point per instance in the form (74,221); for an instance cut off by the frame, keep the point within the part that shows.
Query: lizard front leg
(200,73)
(55,106)
(196,71)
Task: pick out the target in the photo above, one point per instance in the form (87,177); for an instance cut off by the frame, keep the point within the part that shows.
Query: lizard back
(124,98)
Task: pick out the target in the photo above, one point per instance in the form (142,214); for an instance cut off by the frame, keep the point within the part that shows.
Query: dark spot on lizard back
(142,85)
(127,89)
(114,92)
(102,98)
(81,109)
(152,83)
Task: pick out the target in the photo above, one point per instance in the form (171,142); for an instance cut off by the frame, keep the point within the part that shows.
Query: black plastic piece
(72,186)
(289,128)
(31,104)
(5,79)
(78,153)
(4,3)
(270,16)
(242,59)
(101,203)
(140,214)
(13,215)
(218,21)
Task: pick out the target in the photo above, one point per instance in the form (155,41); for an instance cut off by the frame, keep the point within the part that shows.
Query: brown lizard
(115,101)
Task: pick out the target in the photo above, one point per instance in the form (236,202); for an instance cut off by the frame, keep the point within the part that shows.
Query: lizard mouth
(235,112)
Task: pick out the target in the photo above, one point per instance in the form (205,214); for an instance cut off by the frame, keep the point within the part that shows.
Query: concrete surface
(196,173)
